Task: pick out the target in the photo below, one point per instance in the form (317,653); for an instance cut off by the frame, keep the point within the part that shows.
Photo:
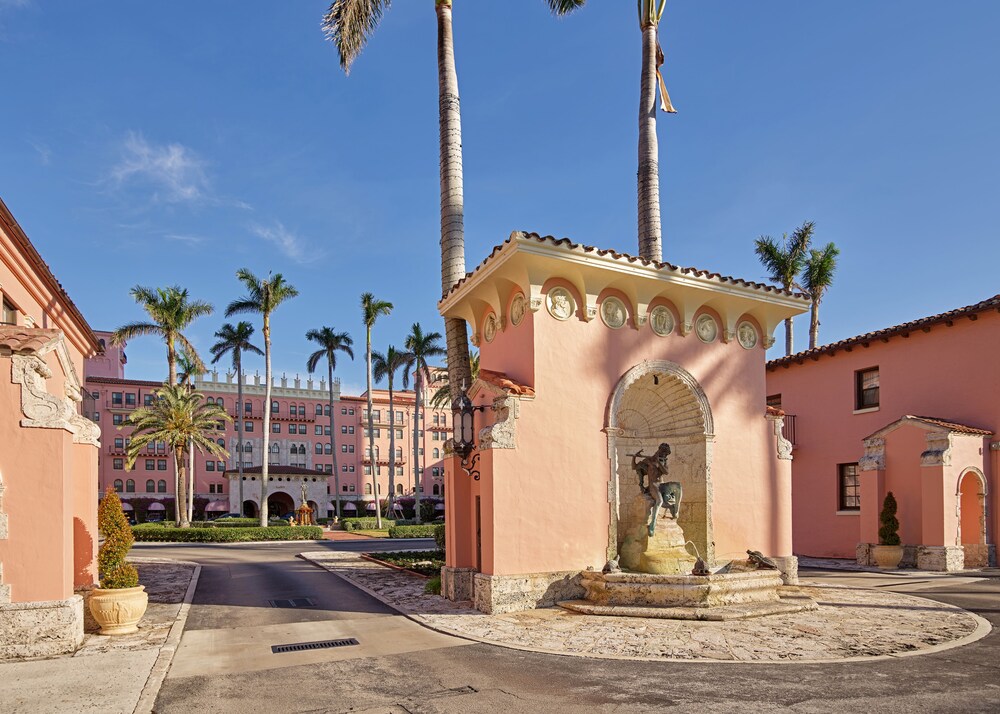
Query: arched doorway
(250,509)
(654,402)
(279,504)
(972,518)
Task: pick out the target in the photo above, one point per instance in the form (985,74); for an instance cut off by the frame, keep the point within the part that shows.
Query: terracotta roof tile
(551,240)
(26,339)
(774,411)
(924,323)
(501,380)
(952,426)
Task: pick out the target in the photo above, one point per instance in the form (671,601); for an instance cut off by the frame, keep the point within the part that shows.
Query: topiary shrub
(404,531)
(888,531)
(112,569)
(439,536)
(227,535)
(365,524)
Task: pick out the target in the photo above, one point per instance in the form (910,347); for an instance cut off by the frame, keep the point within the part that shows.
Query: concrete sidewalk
(110,675)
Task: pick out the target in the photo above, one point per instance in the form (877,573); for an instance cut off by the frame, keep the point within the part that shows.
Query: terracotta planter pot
(887,557)
(118,611)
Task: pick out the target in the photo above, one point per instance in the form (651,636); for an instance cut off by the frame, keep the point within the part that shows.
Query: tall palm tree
(330,343)
(189,366)
(817,276)
(236,341)
(385,366)
(419,348)
(783,262)
(442,395)
(371,309)
(263,297)
(171,312)
(177,417)
(349,24)
(650,227)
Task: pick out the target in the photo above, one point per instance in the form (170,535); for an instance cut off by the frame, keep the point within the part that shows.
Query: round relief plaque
(746,333)
(490,328)
(517,308)
(613,312)
(661,320)
(706,328)
(560,303)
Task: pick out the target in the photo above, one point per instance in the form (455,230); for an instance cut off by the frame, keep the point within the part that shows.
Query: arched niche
(654,402)
(970,496)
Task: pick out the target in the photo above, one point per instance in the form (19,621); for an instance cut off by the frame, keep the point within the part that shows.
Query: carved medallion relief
(613,313)
(746,333)
(490,328)
(661,320)
(560,303)
(517,308)
(707,328)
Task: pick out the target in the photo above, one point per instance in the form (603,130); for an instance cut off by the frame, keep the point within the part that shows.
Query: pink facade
(300,436)
(853,445)
(48,462)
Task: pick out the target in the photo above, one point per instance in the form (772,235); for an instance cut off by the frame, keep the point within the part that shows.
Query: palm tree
(650,228)
(177,417)
(817,276)
(171,312)
(784,261)
(236,340)
(330,343)
(442,395)
(371,308)
(419,348)
(189,366)
(349,24)
(385,366)
(263,297)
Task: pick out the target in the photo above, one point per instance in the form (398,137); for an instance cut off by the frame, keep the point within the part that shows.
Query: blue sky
(174,143)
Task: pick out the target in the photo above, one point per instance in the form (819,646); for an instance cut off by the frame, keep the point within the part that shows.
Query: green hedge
(439,536)
(225,535)
(412,531)
(365,524)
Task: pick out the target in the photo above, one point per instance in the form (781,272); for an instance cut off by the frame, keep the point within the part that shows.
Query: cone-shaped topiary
(112,569)
(888,532)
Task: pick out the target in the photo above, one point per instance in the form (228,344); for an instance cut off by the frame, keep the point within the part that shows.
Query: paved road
(224,663)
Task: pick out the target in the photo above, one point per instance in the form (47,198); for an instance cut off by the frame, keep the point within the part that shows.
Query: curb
(983,628)
(147,698)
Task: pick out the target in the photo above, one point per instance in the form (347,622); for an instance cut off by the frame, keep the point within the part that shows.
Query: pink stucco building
(48,455)
(300,449)
(911,409)
(587,357)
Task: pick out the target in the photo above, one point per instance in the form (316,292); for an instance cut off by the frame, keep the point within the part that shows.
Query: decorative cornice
(874,458)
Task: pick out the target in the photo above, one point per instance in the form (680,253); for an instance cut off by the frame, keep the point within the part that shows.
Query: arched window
(119,487)
(221,442)
(273,449)
(161,486)
(319,448)
(376,451)
(437,453)
(210,400)
(326,410)
(368,488)
(435,490)
(399,489)
(130,486)
(274,407)
(248,447)
(327,449)
(302,449)
(319,410)
(150,486)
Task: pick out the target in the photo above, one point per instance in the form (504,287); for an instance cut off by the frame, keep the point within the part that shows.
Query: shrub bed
(230,523)
(225,535)
(412,531)
(430,561)
(439,536)
(365,524)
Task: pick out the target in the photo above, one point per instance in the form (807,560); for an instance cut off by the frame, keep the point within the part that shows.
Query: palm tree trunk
(180,500)
(239,425)
(190,501)
(789,338)
(267,421)
(333,446)
(371,427)
(392,456)
(650,239)
(814,324)
(171,362)
(416,446)
(452,196)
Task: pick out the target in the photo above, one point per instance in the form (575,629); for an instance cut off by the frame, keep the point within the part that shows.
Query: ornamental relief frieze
(43,410)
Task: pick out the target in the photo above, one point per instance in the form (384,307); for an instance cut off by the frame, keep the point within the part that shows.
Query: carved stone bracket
(43,410)
(784,445)
(938,451)
(502,434)
(768,342)
(874,458)
(591,312)
(686,328)
(535,304)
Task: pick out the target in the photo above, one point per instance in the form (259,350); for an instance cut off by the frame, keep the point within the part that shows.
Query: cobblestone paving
(850,623)
(166,581)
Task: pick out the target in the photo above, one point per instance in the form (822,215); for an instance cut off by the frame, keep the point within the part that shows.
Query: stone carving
(746,333)
(40,408)
(501,434)
(707,328)
(490,328)
(761,561)
(653,471)
(305,496)
(662,320)
(784,445)
(517,308)
(938,451)
(613,313)
(768,343)
(560,303)
(874,458)
(535,304)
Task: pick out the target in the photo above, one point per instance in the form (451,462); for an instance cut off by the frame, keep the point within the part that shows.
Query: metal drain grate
(293,602)
(303,646)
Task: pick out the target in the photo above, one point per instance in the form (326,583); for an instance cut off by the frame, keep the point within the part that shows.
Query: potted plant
(119,602)
(888,552)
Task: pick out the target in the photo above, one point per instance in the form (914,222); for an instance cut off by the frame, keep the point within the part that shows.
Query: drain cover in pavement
(293,602)
(303,646)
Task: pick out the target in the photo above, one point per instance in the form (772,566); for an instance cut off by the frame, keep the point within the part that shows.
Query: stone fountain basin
(719,596)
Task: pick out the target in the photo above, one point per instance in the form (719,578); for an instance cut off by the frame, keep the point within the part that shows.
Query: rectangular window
(329,468)
(350,411)
(399,433)
(343,410)
(368,470)
(399,470)
(344,468)
(276,428)
(319,467)
(343,429)
(848,488)
(866,388)
(211,488)
(350,430)
(774,400)
(119,443)
(116,399)
(399,416)
(420,451)
(293,410)
(343,487)
(350,448)
(8,313)
(248,426)
(247,408)
(343,448)
(116,419)
(161,464)
(220,465)
(210,466)
(351,469)
(118,464)
(147,400)
(129,399)
(318,430)
(150,465)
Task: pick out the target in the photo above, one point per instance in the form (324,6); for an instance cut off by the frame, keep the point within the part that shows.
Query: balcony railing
(280,415)
(788,429)
(382,419)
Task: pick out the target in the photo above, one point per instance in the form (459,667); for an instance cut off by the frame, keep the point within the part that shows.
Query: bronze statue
(655,470)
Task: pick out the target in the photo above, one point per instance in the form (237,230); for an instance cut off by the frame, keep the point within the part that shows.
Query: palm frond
(564,7)
(817,275)
(349,24)
(134,329)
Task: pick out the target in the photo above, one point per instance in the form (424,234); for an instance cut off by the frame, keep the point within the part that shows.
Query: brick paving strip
(851,624)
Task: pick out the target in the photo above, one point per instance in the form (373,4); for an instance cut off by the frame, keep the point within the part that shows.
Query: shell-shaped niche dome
(662,404)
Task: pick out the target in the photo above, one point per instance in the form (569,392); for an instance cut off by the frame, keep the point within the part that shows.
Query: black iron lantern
(465,425)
